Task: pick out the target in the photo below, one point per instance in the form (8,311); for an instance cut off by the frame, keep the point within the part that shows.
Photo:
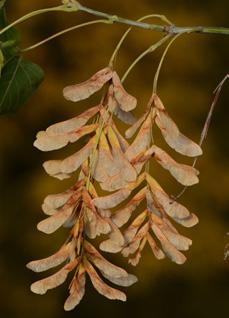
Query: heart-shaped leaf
(20,78)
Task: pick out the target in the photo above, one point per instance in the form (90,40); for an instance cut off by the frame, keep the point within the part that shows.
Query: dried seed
(125,101)
(84,90)
(101,287)
(51,261)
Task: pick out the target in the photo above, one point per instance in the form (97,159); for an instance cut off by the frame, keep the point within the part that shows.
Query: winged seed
(85,89)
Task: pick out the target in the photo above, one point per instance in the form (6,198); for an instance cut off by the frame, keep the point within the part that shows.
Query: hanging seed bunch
(108,162)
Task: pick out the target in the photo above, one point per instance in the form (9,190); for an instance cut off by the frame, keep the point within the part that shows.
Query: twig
(74,6)
(207,123)
(172,29)
(63,32)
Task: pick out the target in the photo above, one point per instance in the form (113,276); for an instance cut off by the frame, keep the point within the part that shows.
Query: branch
(171,29)
(204,132)
(74,6)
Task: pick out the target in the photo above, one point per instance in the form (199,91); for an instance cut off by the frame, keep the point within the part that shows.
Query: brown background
(194,66)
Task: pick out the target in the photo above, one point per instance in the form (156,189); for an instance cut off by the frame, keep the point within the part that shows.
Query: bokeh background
(193,67)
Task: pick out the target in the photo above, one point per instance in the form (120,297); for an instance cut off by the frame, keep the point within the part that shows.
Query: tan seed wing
(126,169)
(132,229)
(101,287)
(135,243)
(180,242)
(72,124)
(55,201)
(71,163)
(113,106)
(175,210)
(121,216)
(125,101)
(184,174)
(51,261)
(105,166)
(115,242)
(42,286)
(84,90)
(189,221)
(126,117)
(174,138)
(95,224)
(102,264)
(77,291)
(122,141)
(141,142)
(112,200)
(54,222)
(45,142)
(113,183)
(122,281)
(167,247)
(132,130)
(155,249)
(135,260)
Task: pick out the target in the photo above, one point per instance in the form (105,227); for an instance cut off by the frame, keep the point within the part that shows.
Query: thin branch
(34,13)
(172,29)
(207,123)
(151,49)
(158,16)
(63,32)
(161,62)
(74,6)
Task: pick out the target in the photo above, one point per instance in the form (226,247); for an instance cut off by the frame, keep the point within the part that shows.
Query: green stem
(161,62)
(62,8)
(63,32)
(160,28)
(149,50)
(73,6)
(162,17)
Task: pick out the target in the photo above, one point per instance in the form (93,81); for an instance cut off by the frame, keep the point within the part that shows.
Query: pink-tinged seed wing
(52,261)
(54,222)
(125,101)
(112,200)
(141,142)
(42,286)
(115,242)
(71,163)
(174,138)
(172,208)
(45,142)
(101,287)
(84,90)
(122,216)
(77,290)
(155,249)
(184,174)
(102,264)
(168,248)
(133,129)
(72,124)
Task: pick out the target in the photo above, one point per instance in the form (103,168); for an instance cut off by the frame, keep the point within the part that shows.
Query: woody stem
(171,29)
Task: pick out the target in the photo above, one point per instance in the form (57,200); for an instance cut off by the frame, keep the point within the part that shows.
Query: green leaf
(2,3)
(20,78)
(1,61)
(12,34)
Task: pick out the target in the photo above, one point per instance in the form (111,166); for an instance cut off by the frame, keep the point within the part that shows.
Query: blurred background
(194,66)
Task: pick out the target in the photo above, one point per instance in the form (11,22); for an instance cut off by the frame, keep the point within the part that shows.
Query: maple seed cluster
(110,163)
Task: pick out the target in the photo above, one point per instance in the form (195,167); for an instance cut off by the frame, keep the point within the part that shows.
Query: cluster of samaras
(109,161)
